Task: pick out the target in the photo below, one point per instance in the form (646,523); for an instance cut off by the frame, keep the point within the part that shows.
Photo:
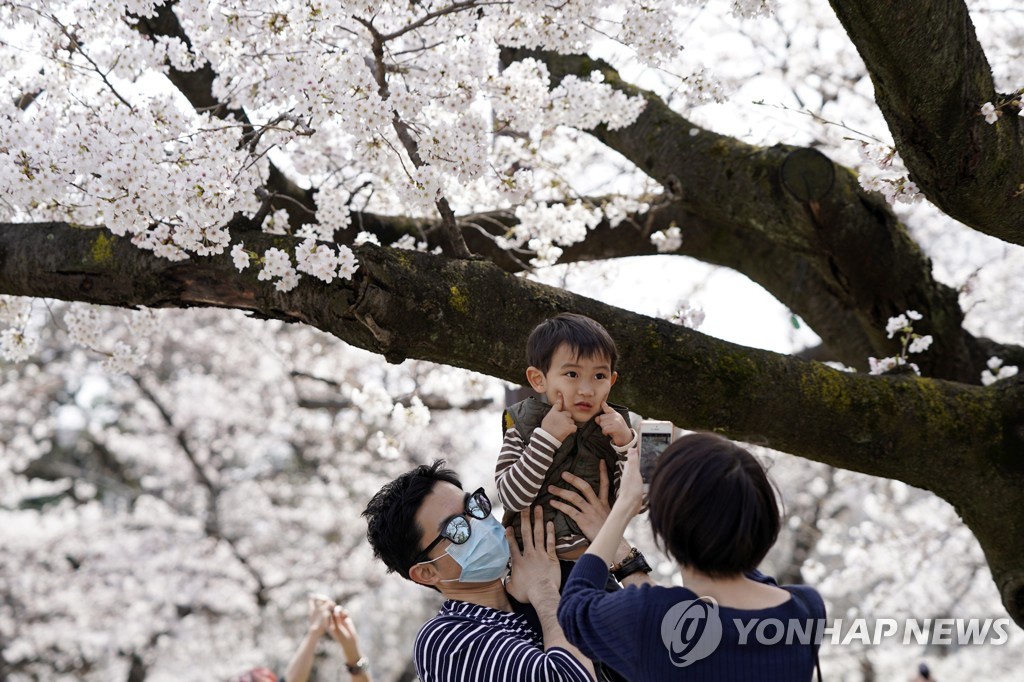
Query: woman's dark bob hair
(712,506)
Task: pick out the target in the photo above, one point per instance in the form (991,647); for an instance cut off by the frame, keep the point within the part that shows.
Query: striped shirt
(520,471)
(467,642)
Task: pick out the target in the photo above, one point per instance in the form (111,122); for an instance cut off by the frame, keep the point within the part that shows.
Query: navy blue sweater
(662,633)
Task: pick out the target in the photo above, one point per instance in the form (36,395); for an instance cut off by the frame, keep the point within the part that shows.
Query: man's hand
(558,421)
(614,426)
(535,570)
(585,508)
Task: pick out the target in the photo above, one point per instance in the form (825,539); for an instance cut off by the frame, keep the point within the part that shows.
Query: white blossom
(15,346)
(753,8)
(288,281)
(896,324)
(667,240)
(366,237)
(276,263)
(997,371)
(347,263)
(406,242)
(319,260)
(687,315)
(83,325)
(15,310)
(142,323)
(920,344)
(240,256)
(990,113)
(124,359)
(882,365)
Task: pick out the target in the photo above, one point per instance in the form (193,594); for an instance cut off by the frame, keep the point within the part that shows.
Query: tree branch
(931,77)
(454,243)
(846,240)
(950,438)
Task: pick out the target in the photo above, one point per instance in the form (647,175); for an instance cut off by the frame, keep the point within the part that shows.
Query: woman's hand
(319,614)
(343,630)
(631,485)
(587,509)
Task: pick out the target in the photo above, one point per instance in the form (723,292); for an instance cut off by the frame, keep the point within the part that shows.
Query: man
(425,527)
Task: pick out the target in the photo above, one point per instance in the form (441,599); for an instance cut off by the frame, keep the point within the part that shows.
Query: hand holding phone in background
(654,437)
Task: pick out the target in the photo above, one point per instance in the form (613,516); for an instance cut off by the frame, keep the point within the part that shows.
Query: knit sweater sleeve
(596,622)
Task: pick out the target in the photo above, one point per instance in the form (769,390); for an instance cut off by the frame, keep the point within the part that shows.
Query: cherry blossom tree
(399,177)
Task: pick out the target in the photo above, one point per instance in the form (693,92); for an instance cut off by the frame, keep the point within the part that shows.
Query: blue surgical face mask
(484,556)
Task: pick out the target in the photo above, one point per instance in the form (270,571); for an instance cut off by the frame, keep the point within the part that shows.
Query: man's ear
(424,574)
(536,379)
(615,375)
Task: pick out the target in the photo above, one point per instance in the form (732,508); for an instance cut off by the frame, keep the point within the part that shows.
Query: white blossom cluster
(16,346)
(910,342)
(323,262)
(882,171)
(996,371)
(749,9)
(277,264)
(668,240)
(16,343)
(545,228)
(87,325)
(688,315)
(15,310)
(991,112)
(145,165)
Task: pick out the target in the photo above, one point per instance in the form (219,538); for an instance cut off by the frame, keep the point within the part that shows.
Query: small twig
(77,47)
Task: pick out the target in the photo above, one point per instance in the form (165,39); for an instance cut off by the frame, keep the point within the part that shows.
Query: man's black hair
(390,516)
(586,338)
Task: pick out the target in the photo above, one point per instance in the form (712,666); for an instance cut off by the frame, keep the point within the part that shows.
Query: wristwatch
(634,562)
(358,667)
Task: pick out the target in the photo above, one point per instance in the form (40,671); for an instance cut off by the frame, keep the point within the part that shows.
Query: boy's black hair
(586,338)
(712,506)
(390,516)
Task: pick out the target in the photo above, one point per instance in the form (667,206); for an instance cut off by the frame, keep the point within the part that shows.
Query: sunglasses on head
(456,528)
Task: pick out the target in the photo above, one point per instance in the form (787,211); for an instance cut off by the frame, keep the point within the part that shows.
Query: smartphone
(654,437)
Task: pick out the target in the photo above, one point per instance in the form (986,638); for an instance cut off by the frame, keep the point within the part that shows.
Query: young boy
(572,364)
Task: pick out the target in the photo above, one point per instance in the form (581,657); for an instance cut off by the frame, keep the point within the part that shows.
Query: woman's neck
(708,586)
(737,591)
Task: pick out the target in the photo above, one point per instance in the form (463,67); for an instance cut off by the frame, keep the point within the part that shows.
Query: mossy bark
(965,443)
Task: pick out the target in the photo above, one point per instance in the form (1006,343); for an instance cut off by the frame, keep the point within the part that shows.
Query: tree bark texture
(931,77)
(965,443)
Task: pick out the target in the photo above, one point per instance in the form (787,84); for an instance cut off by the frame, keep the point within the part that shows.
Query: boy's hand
(558,421)
(614,426)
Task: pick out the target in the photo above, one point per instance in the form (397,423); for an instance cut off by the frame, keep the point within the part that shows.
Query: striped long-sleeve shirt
(467,642)
(521,468)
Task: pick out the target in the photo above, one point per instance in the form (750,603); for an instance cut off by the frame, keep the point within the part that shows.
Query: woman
(714,510)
